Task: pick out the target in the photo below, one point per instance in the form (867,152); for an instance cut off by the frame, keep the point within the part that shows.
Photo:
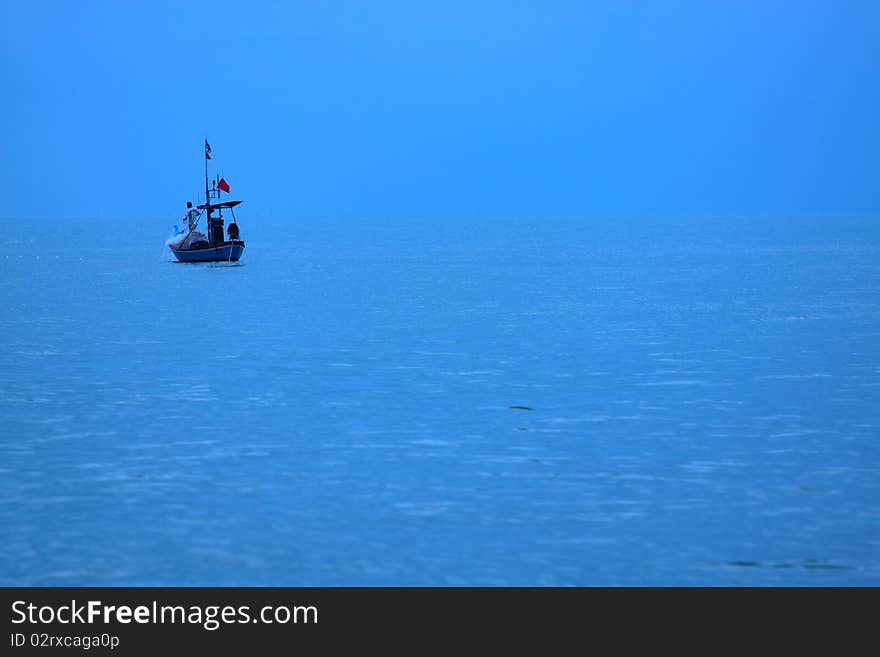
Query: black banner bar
(134,621)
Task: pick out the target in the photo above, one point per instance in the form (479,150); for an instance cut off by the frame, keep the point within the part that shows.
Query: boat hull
(225,252)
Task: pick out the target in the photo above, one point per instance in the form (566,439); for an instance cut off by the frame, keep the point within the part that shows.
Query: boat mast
(207,198)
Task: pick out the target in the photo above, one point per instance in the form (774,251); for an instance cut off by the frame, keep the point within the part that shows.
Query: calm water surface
(649,402)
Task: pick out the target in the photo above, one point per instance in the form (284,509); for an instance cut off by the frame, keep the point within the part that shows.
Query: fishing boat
(189,244)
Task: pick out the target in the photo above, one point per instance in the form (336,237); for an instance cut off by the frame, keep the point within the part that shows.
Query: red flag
(223,185)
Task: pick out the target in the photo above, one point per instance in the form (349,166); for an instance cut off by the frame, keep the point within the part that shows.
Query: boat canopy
(217,206)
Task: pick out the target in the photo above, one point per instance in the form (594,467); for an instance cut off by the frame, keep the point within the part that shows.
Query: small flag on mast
(223,185)
(207,150)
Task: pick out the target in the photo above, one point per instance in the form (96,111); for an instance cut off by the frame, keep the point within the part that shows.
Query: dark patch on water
(809,564)
(522,408)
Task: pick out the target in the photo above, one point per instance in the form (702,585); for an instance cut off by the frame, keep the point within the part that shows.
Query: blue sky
(440,109)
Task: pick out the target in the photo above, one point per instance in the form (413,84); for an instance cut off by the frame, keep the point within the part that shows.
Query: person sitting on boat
(192,215)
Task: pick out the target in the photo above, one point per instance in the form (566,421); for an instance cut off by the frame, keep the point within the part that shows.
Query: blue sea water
(598,402)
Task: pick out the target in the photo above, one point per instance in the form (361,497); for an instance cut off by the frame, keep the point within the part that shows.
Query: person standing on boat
(191,217)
